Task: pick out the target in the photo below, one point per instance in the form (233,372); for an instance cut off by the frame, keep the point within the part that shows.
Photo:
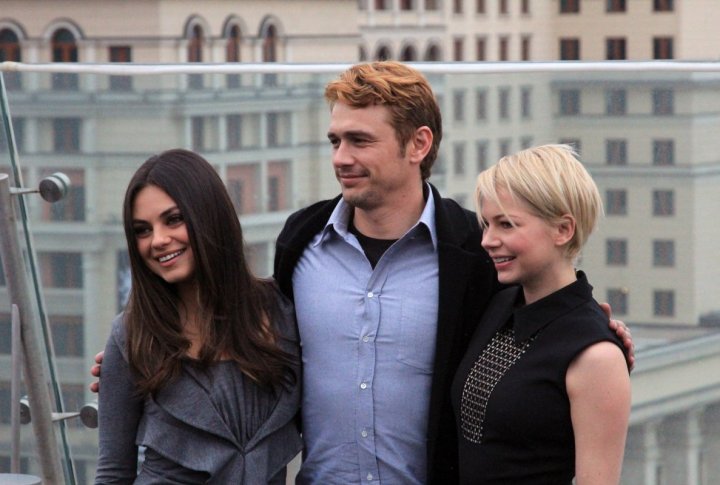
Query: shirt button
(370,294)
(366,338)
(369,477)
(363,385)
(364,433)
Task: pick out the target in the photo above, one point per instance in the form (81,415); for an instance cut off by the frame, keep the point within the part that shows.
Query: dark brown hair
(235,306)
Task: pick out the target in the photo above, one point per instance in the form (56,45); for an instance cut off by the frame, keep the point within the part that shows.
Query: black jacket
(467,281)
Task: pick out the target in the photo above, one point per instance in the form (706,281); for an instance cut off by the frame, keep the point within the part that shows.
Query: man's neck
(391,221)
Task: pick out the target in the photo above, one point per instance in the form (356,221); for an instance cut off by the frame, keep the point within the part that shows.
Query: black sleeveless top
(511,406)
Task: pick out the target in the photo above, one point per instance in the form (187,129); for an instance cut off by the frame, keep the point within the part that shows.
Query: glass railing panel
(647,136)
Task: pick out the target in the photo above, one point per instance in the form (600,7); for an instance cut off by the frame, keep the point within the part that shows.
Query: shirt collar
(340,217)
(530,319)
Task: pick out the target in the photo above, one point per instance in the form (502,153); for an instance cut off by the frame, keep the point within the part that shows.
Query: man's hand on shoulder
(622,331)
(95,371)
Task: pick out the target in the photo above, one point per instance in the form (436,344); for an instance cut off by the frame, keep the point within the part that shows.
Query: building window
(616,202)
(5,340)
(616,152)
(569,102)
(64,49)
(504,147)
(569,6)
(432,53)
(615,102)
(234,131)
(663,102)
(526,102)
(503,48)
(459,158)
(406,5)
(618,300)
(458,45)
(195,54)
(18,127)
(273,194)
(197,135)
(503,7)
(663,202)
(233,54)
(615,6)
(458,6)
(67,336)
(663,152)
(458,105)
(408,54)
(481,155)
(278,183)
(504,103)
(10,51)
(120,54)
(615,49)
(664,253)
(382,4)
(664,303)
(480,48)
(662,48)
(432,5)
(269,52)
(383,53)
(66,135)
(525,7)
(479,6)
(481,105)
(71,207)
(616,253)
(241,185)
(663,5)
(525,48)
(61,269)
(569,49)
(526,142)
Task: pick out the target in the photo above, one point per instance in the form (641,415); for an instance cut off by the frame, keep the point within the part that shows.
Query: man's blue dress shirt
(368,345)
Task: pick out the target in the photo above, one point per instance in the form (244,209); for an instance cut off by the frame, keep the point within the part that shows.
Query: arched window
(233,54)
(269,45)
(383,54)
(432,53)
(232,48)
(195,54)
(10,51)
(269,53)
(408,54)
(64,49)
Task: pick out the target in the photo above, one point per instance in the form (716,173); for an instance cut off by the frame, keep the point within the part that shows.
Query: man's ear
(419,144)
(564,230)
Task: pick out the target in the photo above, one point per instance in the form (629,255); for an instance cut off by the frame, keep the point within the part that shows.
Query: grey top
(207,426)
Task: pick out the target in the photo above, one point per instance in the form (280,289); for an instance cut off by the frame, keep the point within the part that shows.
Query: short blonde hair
(552,182)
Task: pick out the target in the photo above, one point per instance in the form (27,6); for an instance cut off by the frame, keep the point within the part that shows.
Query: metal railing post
(35,380)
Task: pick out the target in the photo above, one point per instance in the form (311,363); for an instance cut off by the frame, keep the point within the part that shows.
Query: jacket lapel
(189,403)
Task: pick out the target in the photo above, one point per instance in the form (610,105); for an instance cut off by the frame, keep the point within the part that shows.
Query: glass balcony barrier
(646,131)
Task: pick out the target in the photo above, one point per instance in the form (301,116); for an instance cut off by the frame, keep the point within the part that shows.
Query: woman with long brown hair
(202,367)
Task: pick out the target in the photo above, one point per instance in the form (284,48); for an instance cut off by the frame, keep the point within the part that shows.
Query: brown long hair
(235,306)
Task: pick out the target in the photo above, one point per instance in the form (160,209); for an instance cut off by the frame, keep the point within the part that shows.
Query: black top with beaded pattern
(509,395)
